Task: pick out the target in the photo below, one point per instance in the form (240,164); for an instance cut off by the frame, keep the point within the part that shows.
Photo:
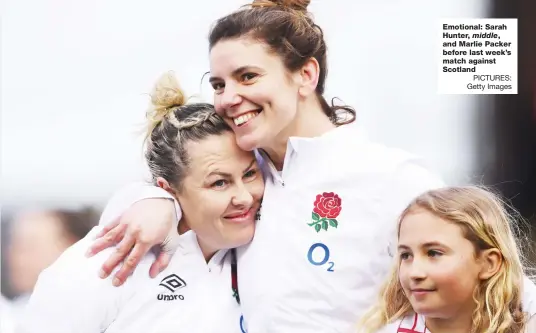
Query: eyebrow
(428,244)
(236,72)
(225,174)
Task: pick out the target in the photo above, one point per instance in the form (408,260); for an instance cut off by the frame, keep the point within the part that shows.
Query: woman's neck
(207,251)
(310,122)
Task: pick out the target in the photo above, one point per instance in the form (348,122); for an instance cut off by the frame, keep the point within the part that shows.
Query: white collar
(296,144)
(187,243)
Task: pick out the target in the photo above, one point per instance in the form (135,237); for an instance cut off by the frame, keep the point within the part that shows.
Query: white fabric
(7,322)
(529,296)
(70,297)
(531,325)
(410,324)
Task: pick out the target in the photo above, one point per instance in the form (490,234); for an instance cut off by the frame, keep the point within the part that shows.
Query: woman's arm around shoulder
(137,218)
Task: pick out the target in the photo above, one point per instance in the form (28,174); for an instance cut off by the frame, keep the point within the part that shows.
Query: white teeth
(244,118)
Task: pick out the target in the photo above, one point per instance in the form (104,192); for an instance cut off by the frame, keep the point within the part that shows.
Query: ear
(491,262)
(309,74)
(162,183)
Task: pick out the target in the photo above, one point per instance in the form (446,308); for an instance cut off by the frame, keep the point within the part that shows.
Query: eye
(434,253)
(218,86)
(405,255)
(248,76)
(219,183)
(251,173)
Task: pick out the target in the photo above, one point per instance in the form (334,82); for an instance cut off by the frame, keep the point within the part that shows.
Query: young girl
(458,269)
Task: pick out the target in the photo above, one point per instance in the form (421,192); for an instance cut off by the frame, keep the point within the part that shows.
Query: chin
(240,237)
(247,143)
(426,310)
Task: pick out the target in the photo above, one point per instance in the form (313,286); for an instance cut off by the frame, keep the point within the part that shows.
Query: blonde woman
(193,155)
(459,269)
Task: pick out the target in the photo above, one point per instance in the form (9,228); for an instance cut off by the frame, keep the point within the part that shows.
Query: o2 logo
(320,248)
(242,328)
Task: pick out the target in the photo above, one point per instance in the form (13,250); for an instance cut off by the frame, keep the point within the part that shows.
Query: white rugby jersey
(321,247)
(190,295)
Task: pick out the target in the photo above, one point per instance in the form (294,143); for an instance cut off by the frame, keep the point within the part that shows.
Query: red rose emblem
(327,207)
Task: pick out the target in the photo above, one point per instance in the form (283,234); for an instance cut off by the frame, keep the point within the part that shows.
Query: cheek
(256,187)
(457,278)
(259,94)
(276,93)
(217,105)
(285,106)
(219,202)
(201,216)
(403,276)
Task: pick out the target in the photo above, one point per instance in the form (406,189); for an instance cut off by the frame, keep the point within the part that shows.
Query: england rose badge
(327,207)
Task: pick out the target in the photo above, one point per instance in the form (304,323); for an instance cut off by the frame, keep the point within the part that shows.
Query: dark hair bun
(299,5)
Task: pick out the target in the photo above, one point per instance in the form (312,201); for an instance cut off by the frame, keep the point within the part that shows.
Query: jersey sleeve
(129,195)
(70,297)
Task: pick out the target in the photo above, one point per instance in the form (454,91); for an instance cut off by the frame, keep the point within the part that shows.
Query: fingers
(111,238)
(119,255)
(139,250)
(161,262)
(109,227)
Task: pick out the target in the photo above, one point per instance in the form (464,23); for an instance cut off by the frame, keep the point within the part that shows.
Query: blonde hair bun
(166,97)
(167,93)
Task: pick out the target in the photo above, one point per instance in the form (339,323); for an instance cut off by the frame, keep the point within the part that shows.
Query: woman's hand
(147,223)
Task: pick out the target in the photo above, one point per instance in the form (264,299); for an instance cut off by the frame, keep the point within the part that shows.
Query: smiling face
(254,92)
(221,193)
(439,270)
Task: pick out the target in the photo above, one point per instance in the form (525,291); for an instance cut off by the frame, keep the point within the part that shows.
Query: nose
(242,197)
(417,270)
(230,97)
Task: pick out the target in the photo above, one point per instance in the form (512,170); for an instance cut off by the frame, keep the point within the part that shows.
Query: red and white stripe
(413,324)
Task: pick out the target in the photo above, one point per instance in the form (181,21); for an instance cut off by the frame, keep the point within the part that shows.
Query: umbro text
(162,297)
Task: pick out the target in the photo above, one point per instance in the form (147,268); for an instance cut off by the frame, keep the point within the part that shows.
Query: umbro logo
(171,282)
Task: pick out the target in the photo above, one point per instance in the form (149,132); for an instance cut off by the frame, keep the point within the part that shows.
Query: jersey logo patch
(327,207)
(172,282)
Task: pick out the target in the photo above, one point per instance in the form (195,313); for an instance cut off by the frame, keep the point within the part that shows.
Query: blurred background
(75,77)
